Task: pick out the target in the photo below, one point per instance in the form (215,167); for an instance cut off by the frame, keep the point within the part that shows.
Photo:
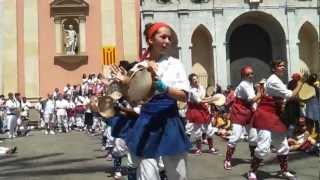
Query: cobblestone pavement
(77,156)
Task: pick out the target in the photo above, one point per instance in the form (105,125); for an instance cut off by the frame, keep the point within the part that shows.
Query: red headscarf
(152,30)
(246,70)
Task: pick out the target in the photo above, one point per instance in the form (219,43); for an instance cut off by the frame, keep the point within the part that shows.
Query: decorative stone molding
(67,8)
(200,1)
(71,59)
(164,1)
(65,14)
(290,9)
(183,12)
(147,14)
(254,4)
(254,1)
(217,11)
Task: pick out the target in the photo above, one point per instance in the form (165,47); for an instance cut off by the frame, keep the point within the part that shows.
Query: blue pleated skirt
(120,126)
(159,130)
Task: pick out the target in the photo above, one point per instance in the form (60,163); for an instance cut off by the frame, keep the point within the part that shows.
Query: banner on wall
(109,55)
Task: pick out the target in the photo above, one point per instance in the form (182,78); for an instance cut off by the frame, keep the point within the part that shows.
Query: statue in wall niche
(71,40)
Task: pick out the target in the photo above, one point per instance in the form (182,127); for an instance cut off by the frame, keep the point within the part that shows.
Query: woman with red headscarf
(240,114)
(159,130)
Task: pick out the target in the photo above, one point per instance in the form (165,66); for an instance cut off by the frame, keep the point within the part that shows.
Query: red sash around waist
(241,112)
(267,115)
(197,113)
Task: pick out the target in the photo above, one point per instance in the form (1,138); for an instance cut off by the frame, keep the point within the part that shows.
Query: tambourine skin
(105,106)
(140,86)
(306,92)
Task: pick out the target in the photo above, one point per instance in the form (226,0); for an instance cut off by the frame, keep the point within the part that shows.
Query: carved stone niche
(68,13)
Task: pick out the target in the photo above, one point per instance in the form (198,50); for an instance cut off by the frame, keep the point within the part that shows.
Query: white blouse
(61,106)
(245,90)
(172,73)
(275,87)
(197,94)
(12,106)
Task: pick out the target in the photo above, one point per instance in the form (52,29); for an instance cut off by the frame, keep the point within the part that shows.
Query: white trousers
(175,167)
(266,138)
(12,124)
(80,120)
(48,118)
(198,129)
(62,121)
(237,131)
(96,122)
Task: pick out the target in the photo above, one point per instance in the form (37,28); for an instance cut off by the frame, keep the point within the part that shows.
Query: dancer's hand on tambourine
(120,74)
(153,68)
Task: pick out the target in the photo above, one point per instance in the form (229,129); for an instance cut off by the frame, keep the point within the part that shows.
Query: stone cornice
(147,13)
(69,8)
(183,12)
(217,11)
(290,9)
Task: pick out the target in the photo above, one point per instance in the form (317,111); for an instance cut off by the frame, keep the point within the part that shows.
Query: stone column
(222,66)
(9,57)
(184,41)
(129,27)
(1,48)
(108,22)
(82,35)
(215,64)
(58,35)
(292,43)
(31,54)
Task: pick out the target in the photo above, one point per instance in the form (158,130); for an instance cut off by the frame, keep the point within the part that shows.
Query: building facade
(215,38)
(45,44)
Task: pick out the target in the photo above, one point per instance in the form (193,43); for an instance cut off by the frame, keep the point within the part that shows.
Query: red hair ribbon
(152,30)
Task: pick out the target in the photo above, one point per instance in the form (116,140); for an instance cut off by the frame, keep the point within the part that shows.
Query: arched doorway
(254,38)
(202,55)
(308,48)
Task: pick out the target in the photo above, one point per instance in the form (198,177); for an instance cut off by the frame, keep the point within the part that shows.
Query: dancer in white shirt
(12,113)
(61,109)
(48,114)
(241,113)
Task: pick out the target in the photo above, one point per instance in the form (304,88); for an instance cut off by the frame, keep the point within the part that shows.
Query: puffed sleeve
(275,87)
(181,80)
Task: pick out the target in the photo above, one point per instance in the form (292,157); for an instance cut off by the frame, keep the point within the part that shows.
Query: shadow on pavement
(293,156)
(237,161)
(57,172)
(28,165)
(21,160)
(268,175)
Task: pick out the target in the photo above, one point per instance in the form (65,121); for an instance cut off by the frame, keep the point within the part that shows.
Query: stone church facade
(215,38)
(34,58)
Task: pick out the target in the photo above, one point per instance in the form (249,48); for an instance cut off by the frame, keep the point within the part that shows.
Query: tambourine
(105,106)
(218,99)
(210,90)
(306,92)
(139,87)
